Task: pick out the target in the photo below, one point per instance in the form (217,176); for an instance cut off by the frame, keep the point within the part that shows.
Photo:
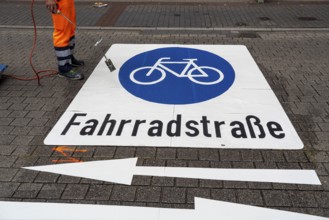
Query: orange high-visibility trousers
(64,30)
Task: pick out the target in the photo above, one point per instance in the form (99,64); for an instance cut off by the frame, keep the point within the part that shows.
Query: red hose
(36,72)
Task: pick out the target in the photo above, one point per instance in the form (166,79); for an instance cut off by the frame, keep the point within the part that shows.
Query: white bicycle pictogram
(195,74)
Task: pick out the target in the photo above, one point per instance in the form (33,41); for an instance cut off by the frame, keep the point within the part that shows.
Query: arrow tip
(117,171)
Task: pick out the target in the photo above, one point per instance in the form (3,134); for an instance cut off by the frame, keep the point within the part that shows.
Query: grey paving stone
(199,164)
(154,162)
(6,150)
(324,181)
(197,192)
(27,190)
(251,155)
(44,160)
(309,127)
(35,114)
(211,184)
(148,194)
(229,155)
(125,152)
(235,184)
(38,122)
(319,156)
(173,195)
(68,179)
(276,198)
(281,186)
(166,153)
(90,181)
(146,152)
(43,177)
(20,131)
(36,140)
(227,195)
(295,156)
(240,165)
(259,185)
(303,199)
(209,155)
(324,126)
(39,131)
(22,140)
(141,180)
(5,121)
(276,156)
(99,192)
(43,151)
(251,197)
(320,145)
(6,139)
(220,164)
(123,193)
(187,154)
(25,161)
(17,107)
(7,174)
(5,105)
(163,181)
(7,189)
(7,161)
(75,191)
(184,182)
(51,191)
(289,166)
(18,114)
(322,199)
(177,163)
(34,106)
(25,176)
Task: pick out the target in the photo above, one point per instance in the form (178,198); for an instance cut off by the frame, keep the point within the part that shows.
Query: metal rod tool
(108,62)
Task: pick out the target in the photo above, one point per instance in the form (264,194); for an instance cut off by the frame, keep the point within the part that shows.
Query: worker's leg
(63,30)
(74,61)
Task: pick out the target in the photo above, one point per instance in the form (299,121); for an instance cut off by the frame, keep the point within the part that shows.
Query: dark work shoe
(71,74)
(76,63)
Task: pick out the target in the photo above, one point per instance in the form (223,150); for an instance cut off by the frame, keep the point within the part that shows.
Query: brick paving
(295,64)
(178,14)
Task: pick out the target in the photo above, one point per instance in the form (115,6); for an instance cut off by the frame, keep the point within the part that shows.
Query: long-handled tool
(107,61)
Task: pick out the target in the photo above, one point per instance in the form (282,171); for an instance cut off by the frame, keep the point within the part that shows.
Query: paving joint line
(173,28)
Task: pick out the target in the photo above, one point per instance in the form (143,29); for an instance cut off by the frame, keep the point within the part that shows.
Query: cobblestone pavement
(295,64)
(179,15)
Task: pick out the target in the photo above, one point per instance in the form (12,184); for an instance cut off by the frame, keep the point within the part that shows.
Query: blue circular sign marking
(176,75)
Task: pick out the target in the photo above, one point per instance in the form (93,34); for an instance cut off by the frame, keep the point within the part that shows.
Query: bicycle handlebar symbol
(195,74)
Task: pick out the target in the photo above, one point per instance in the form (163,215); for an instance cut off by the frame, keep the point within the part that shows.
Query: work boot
(68,72)
(76,63)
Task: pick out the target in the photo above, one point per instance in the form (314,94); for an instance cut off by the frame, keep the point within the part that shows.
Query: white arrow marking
(123,170)
(204,209)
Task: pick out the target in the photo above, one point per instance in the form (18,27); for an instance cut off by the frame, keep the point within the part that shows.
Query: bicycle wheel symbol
(209,73)
(147,75)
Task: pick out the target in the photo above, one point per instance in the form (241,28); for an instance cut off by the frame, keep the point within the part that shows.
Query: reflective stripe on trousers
(64,54)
